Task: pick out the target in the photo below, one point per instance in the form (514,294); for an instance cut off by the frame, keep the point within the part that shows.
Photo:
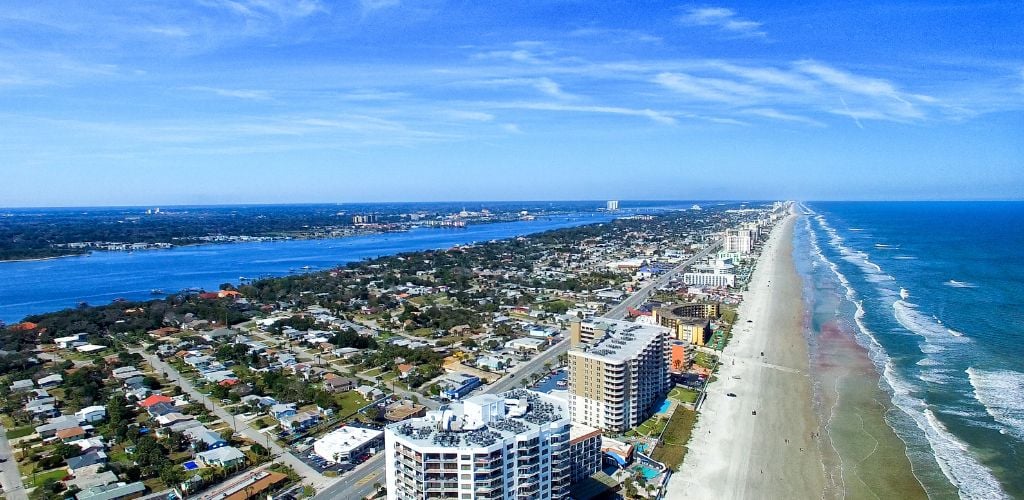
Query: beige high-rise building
(618,372)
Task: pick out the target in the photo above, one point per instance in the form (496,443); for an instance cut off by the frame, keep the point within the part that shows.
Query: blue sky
(240,101)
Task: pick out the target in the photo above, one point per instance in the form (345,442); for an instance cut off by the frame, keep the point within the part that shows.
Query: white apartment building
(505,446)
(618,372)
(612,205)
(739,241)
(718,273)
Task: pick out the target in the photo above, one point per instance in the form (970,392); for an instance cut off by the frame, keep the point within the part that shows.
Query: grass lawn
(55,474)
(652,427)
(705,360)
(372,372)
(683,395)
(264,422)
(350,402)
(672,448)
(18,432)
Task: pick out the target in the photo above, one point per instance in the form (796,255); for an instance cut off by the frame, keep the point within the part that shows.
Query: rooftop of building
(623,340)
(483,420)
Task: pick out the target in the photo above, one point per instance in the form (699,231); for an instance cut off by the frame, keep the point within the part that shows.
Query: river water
(98,278)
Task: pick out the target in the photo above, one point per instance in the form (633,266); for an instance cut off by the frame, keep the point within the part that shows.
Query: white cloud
(511,128)
(520,55)
(256,95)
(543,85)
(168,31)
(782,116)
(469,116)
(708,89)
(724,19)
(657,116)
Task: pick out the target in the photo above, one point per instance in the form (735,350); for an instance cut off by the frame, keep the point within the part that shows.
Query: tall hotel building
(506,446)
(618,371)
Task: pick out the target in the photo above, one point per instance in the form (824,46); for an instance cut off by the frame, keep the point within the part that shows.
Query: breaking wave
(1001,392)
(953,457)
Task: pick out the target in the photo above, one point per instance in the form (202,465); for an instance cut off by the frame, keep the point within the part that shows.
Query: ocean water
(934,292)
(100,277)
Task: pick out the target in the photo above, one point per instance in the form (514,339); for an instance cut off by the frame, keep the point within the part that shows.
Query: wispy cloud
(724,19)
(657,116)
(258,95)
(775,114)
(710,89)
(544,85)
(168,31)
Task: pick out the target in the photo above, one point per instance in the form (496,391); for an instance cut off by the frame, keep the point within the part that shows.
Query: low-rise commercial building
(346,443)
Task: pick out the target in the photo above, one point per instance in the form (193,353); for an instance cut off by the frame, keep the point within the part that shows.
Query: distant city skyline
(304,101)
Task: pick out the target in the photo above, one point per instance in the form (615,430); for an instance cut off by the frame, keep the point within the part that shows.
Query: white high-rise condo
(612,205)
(488,447)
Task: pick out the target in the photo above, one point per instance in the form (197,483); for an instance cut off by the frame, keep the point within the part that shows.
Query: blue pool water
(190,465)
(665,405)
(648,472)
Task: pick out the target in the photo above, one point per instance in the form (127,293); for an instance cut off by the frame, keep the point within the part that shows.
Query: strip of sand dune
(773,454)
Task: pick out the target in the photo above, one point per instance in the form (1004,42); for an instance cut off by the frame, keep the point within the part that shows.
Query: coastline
(775,453)
(42,259)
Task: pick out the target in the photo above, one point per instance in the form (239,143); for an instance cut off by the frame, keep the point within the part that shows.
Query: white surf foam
(885,246)
(930,328)
(960,284)
(1001,392)
(905,257)
(904,293)
(973,480)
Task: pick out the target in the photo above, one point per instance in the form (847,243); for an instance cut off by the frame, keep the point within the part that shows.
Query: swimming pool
(665,406)
(190,465)
(648,472)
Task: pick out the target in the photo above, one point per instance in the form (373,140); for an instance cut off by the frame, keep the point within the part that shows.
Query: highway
(360,482)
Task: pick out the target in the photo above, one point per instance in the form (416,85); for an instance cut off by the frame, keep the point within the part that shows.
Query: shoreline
(775,453)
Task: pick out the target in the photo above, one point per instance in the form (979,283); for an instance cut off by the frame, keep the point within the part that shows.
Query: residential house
(153,400)
(55,424)
(70,434)
(369,393)
(281,410)
(70,341)
(90,476)
(22,385)
(81,461)
(201,434)
(116,491)
(299,421)
(225,456)
(405,369)
(91,414)
(50,381)
(337,383)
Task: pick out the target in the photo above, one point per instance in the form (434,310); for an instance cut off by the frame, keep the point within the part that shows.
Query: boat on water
(562,383)
(157,291)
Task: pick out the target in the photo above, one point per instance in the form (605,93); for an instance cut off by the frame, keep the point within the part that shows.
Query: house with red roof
(153,400)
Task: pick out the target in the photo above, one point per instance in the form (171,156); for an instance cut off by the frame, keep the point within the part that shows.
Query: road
(11,478)
(638,297)
(303,469)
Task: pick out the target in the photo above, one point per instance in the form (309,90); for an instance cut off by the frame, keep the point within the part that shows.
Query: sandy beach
(773,454)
